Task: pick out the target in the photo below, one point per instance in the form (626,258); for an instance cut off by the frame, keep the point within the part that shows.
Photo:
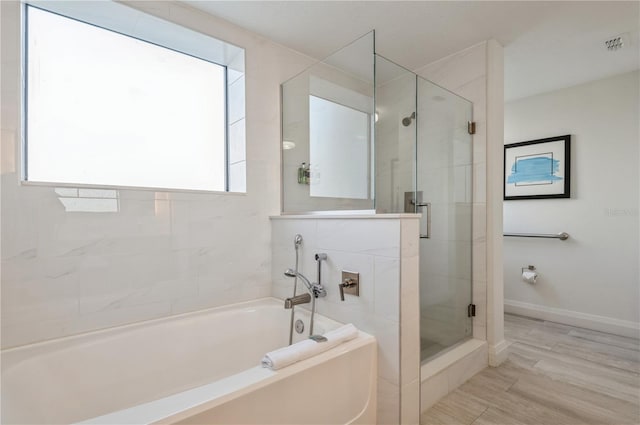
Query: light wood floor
(555,374)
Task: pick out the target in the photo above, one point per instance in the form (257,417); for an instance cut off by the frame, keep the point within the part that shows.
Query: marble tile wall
(159,252)
(384,250)
(409,322)
(236,130)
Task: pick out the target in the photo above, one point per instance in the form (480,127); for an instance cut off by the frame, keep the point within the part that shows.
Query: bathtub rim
(143,323)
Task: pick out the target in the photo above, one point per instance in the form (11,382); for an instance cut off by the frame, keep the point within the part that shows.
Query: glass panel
(395,136)
(327,137)
(422,163)
(444,180)
(345,175)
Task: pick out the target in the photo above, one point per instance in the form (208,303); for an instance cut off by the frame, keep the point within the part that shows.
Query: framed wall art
(538,169)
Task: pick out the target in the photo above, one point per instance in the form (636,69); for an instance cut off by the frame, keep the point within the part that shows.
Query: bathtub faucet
(315,289)
(298,299)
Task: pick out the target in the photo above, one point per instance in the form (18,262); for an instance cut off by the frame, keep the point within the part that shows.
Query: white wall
(383,248)
(162,253)
(592,278)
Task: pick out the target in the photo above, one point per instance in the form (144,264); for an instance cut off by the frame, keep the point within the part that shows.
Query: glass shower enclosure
(424,161)
(362,133)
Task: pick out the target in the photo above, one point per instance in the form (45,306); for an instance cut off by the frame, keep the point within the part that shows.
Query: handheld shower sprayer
(297,243)
(293,273)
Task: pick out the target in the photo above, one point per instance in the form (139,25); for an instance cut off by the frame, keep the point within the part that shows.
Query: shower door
(444,197)
(423,164)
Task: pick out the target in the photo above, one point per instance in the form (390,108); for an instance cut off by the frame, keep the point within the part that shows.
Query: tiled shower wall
(155,253)
(384,250)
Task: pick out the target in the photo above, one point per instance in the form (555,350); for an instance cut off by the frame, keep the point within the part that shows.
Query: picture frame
(538,169)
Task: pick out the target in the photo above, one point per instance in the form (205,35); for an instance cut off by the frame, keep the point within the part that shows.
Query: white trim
(315,215)
(594,322)
(96,186)
(450,358)
(498,353)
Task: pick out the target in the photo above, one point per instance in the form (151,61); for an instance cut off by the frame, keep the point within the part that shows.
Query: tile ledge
(437,365)
(347,215)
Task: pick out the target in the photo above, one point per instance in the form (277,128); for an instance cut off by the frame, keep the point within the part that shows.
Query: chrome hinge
(471,310)
(471,127)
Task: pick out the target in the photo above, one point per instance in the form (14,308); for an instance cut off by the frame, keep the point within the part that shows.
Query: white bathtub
(199,367)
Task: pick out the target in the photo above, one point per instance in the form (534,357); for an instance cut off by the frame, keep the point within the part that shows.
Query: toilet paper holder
(529,274)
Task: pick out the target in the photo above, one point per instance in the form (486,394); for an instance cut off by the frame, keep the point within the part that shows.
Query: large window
(108,109)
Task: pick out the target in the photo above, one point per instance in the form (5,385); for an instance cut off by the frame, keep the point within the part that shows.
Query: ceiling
(548,44)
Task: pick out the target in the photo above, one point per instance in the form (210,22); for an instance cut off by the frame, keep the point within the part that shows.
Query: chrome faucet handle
(347,283)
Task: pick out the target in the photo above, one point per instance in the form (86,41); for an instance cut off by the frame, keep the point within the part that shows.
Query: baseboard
(498,353)
(567,317)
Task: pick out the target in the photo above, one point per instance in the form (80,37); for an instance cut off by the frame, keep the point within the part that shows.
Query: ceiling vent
(616,43)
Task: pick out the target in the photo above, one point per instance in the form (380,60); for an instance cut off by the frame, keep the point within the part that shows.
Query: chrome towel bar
(562,236)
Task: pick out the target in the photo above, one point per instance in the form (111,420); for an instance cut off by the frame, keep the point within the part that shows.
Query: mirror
(327,127)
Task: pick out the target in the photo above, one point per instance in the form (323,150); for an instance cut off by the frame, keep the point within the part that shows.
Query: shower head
(297,240)
(406,121)
(293,273)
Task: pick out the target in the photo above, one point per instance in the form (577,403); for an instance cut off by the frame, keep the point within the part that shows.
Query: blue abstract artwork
(538,169)
(534,170)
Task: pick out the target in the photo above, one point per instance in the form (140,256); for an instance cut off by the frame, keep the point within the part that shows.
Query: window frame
(22,165)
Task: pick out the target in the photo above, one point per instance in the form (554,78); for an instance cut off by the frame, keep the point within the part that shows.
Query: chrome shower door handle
(427,213)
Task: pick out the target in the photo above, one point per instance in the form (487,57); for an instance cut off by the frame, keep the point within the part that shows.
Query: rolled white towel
(302,350)
(342,334)
(290,354)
